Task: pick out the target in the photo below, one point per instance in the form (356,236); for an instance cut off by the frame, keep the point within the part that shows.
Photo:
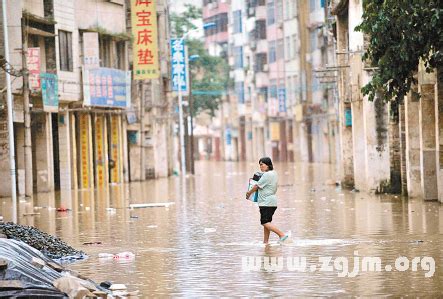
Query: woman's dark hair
(267,161)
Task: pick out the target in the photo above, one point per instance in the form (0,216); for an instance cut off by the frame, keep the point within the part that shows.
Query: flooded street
(195,246)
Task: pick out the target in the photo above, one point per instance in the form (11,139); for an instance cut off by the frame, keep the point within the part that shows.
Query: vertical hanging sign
(178,65)
(115,145)
(100,154)
(84,149)
(33,63)
(144,31)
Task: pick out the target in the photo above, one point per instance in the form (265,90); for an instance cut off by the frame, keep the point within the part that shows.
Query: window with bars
(272,52)
(280,49)
(237,21)
(260,62)
(65,49)
(240,92)
(271,12)
(273,89)
(238,57)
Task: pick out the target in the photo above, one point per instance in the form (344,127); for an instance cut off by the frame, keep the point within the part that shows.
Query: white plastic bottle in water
(105,255)
(124,255)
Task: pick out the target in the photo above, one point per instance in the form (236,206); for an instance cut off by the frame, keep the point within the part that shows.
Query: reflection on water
(195,247)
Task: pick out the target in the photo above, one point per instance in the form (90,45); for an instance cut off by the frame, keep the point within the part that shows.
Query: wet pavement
(196,245)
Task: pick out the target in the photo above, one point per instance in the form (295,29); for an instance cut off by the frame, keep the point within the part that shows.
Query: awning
(35,31)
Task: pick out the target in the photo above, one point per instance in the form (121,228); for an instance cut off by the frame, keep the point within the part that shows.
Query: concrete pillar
(65,157)
(439,131)
(20,157)
(376,125)
(395,150)
(346,145)
(74,151)
(428,138)
(358,145)
(413,174)
(402,131)
(160,150)
(5,182)
(42,152)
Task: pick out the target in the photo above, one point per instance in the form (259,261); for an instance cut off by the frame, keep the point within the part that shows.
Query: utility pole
(191,111)
(10,116)
(27,115)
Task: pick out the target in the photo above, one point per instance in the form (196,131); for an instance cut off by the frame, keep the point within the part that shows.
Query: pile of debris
(28,268)
(50,246)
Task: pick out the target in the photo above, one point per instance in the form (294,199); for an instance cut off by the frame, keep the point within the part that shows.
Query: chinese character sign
(33,64)
(49,92)
(107,87)
(178,63)
(144,30)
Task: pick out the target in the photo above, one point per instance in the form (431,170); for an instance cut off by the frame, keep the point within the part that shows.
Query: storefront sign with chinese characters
(49,84)
(178,63)
(107,87)
(33,64)
(144,31)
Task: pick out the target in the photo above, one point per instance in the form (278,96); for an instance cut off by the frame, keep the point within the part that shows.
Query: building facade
(81,103)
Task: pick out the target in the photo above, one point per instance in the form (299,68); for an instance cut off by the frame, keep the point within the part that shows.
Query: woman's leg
(271,227)
(266,233)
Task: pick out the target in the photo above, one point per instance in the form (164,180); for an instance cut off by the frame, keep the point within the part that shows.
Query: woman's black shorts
(266,214)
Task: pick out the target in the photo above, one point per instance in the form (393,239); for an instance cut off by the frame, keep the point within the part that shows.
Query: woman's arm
(253,189)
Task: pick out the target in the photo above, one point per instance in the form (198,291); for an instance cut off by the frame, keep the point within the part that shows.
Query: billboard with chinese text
(144,33)
(107,87)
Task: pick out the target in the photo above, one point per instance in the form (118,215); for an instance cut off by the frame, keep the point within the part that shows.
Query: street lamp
(180,104)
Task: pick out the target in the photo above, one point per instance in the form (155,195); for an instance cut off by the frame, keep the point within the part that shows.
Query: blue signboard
(107,87)
(348,117)
(49,92)
(282,99)
(178,65)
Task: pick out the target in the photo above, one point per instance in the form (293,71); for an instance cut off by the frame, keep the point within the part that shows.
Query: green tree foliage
(210,74)
(401,33)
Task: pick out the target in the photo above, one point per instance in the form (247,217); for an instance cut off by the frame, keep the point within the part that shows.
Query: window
(240,92)
(263,92)
(271,12)
(279,8)
(294,45)
(260,27)
(221,24)
(272,53)
(237,21)
(288,52)
(121,55)
(65,47)
(312,5)
(280,49)
(287,10)
(260,61)
(105,51)
(273,89)
(238,57)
